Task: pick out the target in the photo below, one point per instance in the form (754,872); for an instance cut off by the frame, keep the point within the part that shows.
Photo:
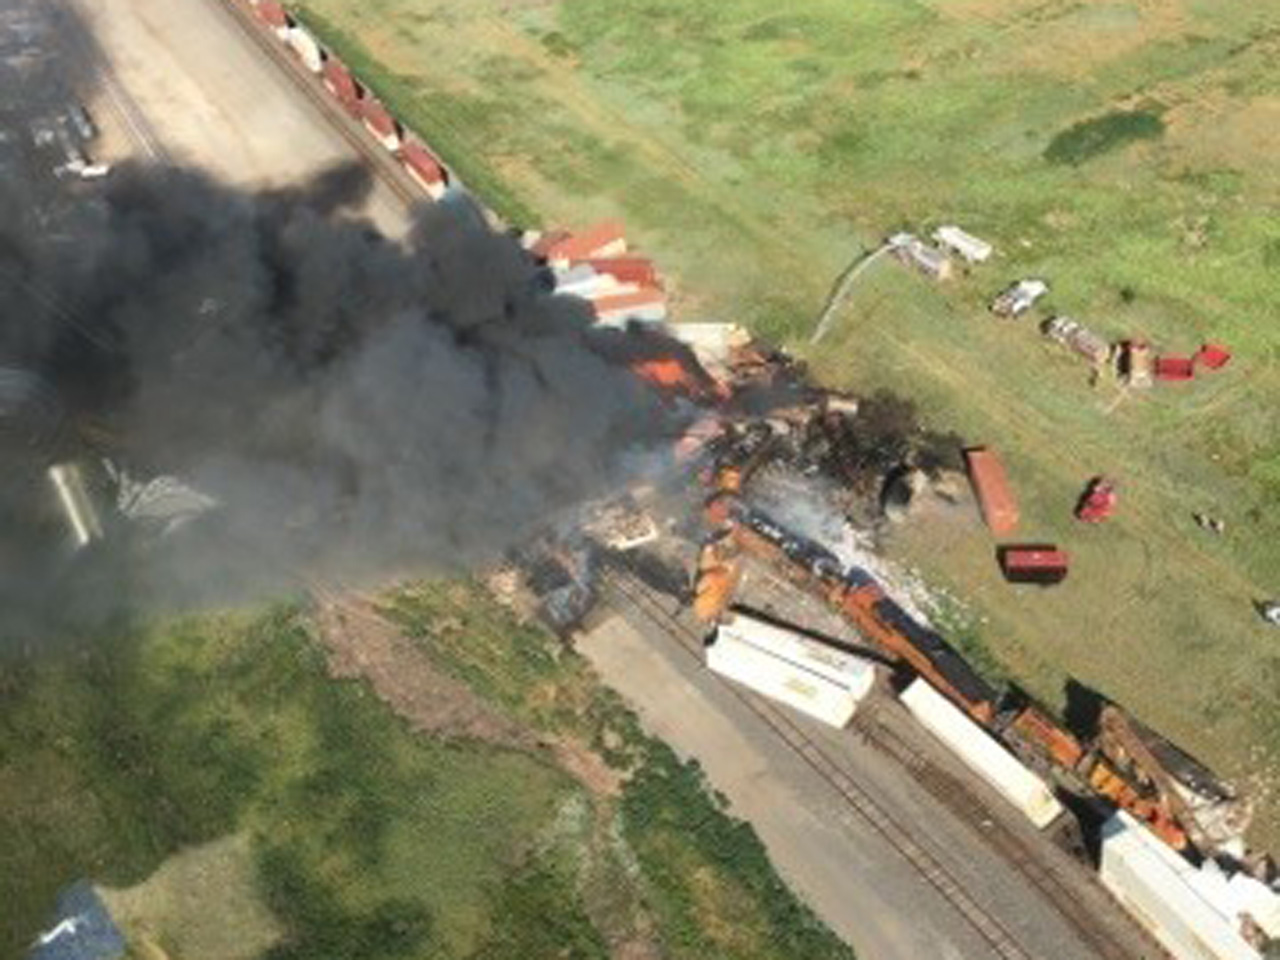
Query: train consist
(1146,794)
(1114,770)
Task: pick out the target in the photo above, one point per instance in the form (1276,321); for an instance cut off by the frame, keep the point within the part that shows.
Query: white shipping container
(1154,884)
(780,680)
(982,753)
(854,673)
(306,47)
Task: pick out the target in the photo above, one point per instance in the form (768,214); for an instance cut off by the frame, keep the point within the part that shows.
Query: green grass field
(1123,149)
(211,764)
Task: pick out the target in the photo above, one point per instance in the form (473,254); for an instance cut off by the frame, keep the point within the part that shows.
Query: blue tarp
(82,929)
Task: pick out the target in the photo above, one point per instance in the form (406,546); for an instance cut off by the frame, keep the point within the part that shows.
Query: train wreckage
(769,422)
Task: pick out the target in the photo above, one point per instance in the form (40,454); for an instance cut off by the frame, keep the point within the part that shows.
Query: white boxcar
(1155,885)
(982,753)
(306,47)
(856,674)
(780,679)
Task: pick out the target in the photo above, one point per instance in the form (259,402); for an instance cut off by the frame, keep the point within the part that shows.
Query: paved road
(213,100)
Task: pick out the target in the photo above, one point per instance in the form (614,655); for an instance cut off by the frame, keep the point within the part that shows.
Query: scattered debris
(1074,336)
(1212,524)
(619,524)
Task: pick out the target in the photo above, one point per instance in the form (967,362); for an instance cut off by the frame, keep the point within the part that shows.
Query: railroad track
(629,592)
(115,97)
(972,810)
(636,595)
(377,158)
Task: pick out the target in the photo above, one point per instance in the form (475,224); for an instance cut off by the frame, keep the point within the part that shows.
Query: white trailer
(823,683)
(305,46)
(982,753)
(965,244)
(1159,888)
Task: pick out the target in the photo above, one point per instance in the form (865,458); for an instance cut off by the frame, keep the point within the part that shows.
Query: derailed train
(1099,771)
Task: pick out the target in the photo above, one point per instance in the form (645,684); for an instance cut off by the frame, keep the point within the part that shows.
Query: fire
(673,377)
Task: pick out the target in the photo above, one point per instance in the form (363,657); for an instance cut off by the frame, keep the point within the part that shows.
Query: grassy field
(1124,149)
(239,802)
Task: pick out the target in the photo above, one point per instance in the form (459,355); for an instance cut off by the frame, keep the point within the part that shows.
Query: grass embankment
(363,839)
(1123,150)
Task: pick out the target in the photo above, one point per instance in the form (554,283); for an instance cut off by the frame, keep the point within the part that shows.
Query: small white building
(809,676)
(964,244)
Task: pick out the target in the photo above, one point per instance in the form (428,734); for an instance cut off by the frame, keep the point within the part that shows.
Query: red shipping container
(991,487)
(1214,356)
(424,167)
(273,13)
(378,119)
(1175,368)
(602,240)
(339,81)
(1034,563)
(637,270)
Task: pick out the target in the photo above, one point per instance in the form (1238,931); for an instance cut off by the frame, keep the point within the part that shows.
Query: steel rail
(1002,941)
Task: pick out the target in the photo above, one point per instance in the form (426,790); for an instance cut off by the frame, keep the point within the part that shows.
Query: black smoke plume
(357,407)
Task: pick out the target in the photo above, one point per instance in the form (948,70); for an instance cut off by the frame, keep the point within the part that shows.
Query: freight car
(876,616)
(859,597)
(1020,725)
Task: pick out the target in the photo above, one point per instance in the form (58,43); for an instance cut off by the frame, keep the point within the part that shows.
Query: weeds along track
(628,594)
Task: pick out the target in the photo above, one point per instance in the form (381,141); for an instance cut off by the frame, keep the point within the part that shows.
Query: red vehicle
(1098,501)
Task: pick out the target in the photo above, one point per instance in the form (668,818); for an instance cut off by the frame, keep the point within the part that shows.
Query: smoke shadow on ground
(357,407)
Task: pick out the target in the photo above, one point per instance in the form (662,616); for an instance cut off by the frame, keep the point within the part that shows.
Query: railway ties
(971,809)
(629,592)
